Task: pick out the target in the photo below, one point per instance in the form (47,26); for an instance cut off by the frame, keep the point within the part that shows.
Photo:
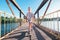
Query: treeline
(8,20)
(50,19)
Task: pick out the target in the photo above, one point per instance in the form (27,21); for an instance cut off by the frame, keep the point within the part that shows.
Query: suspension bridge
(43,26)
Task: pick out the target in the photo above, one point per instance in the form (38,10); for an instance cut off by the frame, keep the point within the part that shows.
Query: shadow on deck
(37,34)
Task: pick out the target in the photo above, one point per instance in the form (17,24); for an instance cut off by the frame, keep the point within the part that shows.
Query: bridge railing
(52,21)
(7,23)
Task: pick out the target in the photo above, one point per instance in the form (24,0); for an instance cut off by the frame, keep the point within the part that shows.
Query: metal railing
(18,7)
(48,18)
(7,22)
(40,6)
(44,19)
(52,21)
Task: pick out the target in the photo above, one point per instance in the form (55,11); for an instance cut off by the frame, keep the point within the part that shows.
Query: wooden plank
(21,33)
(46,37)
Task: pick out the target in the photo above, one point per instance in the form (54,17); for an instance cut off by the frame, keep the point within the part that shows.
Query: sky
(24,4)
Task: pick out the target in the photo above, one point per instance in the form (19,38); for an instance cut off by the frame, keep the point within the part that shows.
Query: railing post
(53,23)
(10,23)
(38,18)
(4,24)
(48,21)
(20,18)
(58,25)
(0,24)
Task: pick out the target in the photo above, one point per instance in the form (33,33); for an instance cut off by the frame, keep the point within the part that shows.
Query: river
(6,28)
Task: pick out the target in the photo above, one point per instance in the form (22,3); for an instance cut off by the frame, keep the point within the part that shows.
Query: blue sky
(24,4)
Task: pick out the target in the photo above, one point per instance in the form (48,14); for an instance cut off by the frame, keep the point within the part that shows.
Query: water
(6,28)
(51,25)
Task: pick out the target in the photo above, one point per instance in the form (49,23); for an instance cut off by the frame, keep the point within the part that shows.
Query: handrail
(52,22)
(51,13)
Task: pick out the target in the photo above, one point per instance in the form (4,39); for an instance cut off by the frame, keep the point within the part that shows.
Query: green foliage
(6,19)
(50,19)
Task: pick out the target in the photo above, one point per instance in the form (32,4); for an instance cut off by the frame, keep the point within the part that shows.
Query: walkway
(21,33)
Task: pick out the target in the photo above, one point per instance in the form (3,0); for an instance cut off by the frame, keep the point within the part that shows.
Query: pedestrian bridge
(45,27)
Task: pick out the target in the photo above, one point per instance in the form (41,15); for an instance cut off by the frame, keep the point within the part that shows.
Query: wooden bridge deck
(21,33)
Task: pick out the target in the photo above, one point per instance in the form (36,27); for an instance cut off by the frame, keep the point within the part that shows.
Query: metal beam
(41,5)
(17,6)
(0,24)
(20,18)
(46,10)
(10,8)
(38,18)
